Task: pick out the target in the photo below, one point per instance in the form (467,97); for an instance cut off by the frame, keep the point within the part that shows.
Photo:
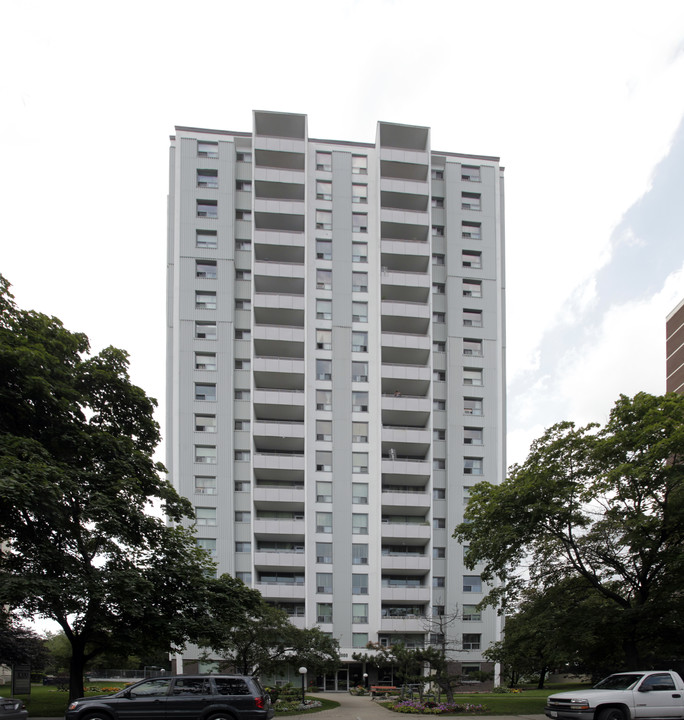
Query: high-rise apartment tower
(336,376)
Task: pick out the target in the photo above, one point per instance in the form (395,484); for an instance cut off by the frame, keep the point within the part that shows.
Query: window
(439,434)
(659,682)
(324,339)
(205,423)
(359,341)
(359,282)
(241,455)
(472,466)
(243,274)
(472,406)
(323,369)
(324,582)
(323,190)
(438,231)
(324,249)
(205,516)
(359,193)
(470,173)
(205,454)
(205,361)
(359,524)
(360,222)
(243,244)
(472,318)
(205,330)
(242,364)
(439,552)
(207,149)
(360,493)
(241,394)
(205,300)
(207,178)
(205,484)
(471,641)
(437,202)
(359,554)
(359,165)
(245,157)
(360,312)
(359,640)
(246,578)
(359,371)
(439,346)
(324,522)
(323,220)
(472,288)
(472,347)
(472,583)
(437,259)
(206,239)
(324,430)
(324,161)
(439,404)
(323,399)
(438,288)
(437,174)
(243,516)
(205,269)
(360,463)
(324,309)
(439,464)
(359,401)
(323,492)
(207,208)
(439,523)
(208,544)
(471,613)
(324,612)
(438,610)
(439,493)
(242,486)
(471,201)
(205,391)
(472,376)
(324,553)
(438,317)
(324,279)
(243,304)
(471,259)
(323,461)
(243,186)
(359,432)
(242,334)
(359,584)
(360,613)
(242,424)
(438,581)
(472,436)
(359,252)
(471,230)
(243,547)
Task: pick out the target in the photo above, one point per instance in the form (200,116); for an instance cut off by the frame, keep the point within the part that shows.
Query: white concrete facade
(336,377)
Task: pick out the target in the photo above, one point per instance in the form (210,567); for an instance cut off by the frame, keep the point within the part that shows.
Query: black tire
(612,713)
(96,716)
(222,716)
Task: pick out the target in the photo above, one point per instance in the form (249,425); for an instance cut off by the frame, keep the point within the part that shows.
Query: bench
(381,689)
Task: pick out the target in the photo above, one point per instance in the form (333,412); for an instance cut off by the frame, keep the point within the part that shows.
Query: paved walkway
(361,707)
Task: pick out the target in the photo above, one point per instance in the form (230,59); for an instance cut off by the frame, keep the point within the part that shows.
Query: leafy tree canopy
(19,644)
(602,503)
(77,479)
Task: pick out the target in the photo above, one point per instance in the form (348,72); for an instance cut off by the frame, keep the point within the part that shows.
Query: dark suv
(180,697)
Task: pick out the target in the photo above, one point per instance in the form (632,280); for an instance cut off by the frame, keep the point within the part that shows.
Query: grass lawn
(47,701)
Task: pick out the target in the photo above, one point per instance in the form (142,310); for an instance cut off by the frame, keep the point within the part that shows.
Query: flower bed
(296,705)
(430,707)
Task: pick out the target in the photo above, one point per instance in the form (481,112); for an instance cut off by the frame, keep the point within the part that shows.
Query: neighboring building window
(437,174)
(439,404)
(205,391)
(438,231)
(324,249)
(359,553)
(439,346)
(359,524)
(472,583)
(243,215)
(359,640)
(359,193)
(472,318)
(206,239)
(472,436)
(206,269)
(439,464)
(323,399)
(242,424)
(471,201)
(438,523)
(472,406)
(324,279)
(243,186)
(324,612)
(323,190)
(472,376)
(242,364)
(437,202)
(243,516)
(438,581)
(324,430)
(208,544)
(359,371)
(323,461)
(359,493)
(243,274)
(472,466)
(471,641)
(205,330)
(207,149)
(205,300)
(359,341)
(471,259)
(205,516)
(360,463)
(471,230)
(245,576)
(242,486)
(472,347)
(205,484)
(438,610)
(242,334)
(438,288)
(359,401)
(472,288)
(205,423)
(439,493)
(324,553)
(437,553)
(323,220)
(359,282)
(241,455)
(438,317)
(359,432)
(471,613)
(359,252)
(323,492)
(324,161)
(245,157)
(470,173)
(324,582)
(360,615)
(323,369)
(207,178)
(359,165)
(437,259)
(360,222)
(324,309)
(241,394)
(205,361)
(324,339)
(205,454)
(360,312)
(438,434)
(359,584)
(243,547)
(243,244)
(324,522)
(207,208)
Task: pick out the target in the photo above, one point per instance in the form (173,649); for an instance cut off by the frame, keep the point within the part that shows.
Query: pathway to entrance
(361,707)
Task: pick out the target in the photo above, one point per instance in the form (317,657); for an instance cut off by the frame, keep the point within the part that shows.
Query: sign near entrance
(21,679)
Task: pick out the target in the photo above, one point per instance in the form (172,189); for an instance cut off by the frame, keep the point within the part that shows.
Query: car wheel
(96,716)
(222,716)
(612,713)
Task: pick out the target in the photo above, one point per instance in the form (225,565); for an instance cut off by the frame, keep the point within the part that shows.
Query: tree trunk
(76,669)
(542,677)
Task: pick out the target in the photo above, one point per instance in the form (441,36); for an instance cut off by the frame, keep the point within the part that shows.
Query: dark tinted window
(191,686)
(231,686)
(151,688)
(662,681)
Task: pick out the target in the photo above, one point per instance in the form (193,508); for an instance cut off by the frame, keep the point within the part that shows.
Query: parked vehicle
(656,695)
(180,697)
(12,709)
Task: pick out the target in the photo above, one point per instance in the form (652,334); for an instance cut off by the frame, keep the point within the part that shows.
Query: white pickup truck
(624,696)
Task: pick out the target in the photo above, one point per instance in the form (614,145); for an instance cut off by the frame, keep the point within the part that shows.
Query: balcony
(279,560)
(278,373)
(283,529)
(402,499)
(279,278)
(402,230)
(281,591)
(411,287)
(406,594)
(404,409)
(277,404)
(412,318)
(278,462)
(406,563)
(278,341)
(278,309)
(413,219)
(404,471)
(268,496)
(285,214)
(279,246)
(408,623)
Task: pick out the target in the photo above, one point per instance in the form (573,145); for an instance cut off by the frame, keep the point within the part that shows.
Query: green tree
(604,504)
(77,480)
(19,644)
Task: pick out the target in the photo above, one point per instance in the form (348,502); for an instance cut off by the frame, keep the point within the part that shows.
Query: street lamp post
(365,680)
(302,672)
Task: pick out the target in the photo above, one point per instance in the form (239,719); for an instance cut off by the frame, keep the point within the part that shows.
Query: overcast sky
(583,102)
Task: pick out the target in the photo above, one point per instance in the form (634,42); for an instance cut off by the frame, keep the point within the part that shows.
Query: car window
(231,686)
(151,688)
(622,681)
(191,686)
(661,681)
